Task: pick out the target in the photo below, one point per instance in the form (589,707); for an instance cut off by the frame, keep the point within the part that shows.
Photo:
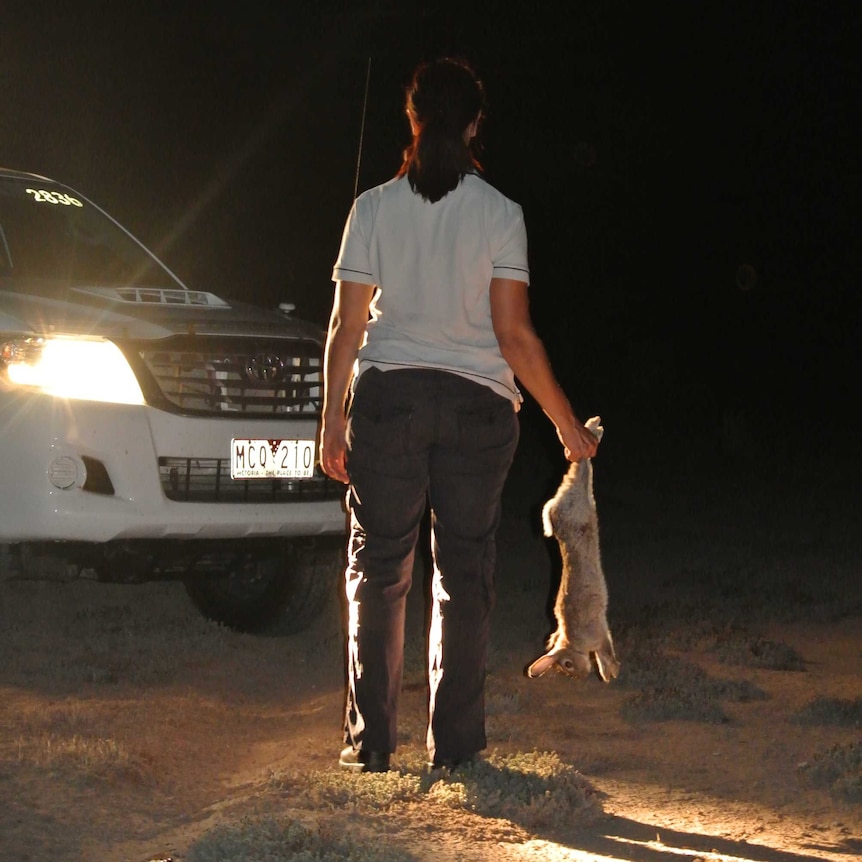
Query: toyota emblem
(265,368)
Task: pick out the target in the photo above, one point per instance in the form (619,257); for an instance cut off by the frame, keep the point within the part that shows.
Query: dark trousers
(417,437)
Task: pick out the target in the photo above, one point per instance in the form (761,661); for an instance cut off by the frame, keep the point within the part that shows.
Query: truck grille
(201,376)
(207,480)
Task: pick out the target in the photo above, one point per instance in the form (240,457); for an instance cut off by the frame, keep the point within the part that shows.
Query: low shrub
(831,712)
(838,769)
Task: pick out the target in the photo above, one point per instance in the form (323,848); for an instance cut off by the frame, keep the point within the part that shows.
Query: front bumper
(127,442)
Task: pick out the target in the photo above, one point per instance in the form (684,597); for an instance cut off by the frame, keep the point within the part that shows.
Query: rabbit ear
(542,665)
(607,664)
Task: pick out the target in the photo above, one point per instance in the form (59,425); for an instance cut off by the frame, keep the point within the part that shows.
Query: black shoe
(451,763)
(359,760)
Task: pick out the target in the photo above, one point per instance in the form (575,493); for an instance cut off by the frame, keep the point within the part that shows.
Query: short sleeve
(509,245)
(354,260)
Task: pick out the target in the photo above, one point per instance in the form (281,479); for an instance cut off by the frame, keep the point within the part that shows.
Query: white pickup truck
(151,431)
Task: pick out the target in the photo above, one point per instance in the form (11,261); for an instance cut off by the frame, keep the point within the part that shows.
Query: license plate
(271,459)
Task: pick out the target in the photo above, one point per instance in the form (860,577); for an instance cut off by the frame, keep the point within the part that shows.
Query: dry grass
(535,790)
(273,839)
(69,739)
(89,756)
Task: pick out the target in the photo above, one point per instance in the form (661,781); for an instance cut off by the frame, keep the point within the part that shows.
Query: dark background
(690,175)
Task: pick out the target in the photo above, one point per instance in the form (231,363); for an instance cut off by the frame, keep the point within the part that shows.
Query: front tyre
(277,591)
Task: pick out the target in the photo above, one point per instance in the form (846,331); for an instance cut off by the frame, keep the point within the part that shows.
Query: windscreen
(49,236)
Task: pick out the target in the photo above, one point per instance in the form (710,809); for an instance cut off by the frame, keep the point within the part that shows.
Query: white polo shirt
(432,265)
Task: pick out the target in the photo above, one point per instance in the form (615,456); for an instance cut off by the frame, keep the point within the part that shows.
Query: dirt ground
(130,727)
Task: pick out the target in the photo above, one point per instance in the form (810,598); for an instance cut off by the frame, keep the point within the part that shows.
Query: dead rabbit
(582,639)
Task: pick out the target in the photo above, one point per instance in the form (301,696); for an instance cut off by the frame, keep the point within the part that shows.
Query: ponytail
(443,99)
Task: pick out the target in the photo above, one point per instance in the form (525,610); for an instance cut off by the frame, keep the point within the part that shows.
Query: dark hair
(443,98)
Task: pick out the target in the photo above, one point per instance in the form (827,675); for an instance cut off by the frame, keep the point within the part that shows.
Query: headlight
(87,369)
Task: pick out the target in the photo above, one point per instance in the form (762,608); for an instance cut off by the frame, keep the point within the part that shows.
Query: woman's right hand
(333,449)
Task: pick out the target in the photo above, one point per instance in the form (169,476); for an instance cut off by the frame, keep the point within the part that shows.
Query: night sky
(690,173)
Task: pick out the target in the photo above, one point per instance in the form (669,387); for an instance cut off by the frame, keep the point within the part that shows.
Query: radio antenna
(362,129)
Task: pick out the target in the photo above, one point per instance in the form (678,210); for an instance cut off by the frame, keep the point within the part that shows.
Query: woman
(430,325)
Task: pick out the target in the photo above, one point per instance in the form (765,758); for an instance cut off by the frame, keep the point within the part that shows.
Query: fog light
(64,471)
(96,478)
